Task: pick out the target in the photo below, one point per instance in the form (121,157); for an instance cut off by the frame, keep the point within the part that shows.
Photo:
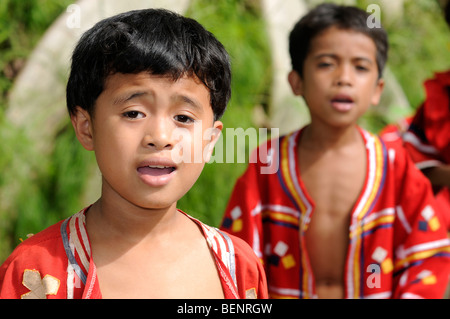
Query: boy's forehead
(122,87)
(347,41)
(119,81)
(118,78)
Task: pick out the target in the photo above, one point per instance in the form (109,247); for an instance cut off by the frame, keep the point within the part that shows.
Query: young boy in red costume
(137,80)
(346,215)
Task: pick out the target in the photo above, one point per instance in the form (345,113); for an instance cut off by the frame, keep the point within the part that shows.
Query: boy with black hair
(346,215)
(140,82)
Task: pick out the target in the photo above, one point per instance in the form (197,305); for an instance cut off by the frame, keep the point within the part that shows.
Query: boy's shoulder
(38,249)
(284,148)
(268,153)
(224,243)
(244,267)
(249,273)
(47,241)
(242,249)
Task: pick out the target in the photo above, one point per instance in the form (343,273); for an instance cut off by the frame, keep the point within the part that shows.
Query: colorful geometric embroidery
(234,223)
(426,277)
(431,221)
(279,253)
(380,255)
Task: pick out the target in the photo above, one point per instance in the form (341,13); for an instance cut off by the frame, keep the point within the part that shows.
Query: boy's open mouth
(156,170)
(342,103)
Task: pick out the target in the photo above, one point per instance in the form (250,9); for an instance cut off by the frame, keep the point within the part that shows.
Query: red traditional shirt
(57,263)
(398,246)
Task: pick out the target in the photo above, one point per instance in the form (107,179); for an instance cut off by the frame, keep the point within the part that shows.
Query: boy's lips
(156,172)
(342,102)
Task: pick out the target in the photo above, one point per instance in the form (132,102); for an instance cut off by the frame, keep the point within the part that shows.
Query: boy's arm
(421,243)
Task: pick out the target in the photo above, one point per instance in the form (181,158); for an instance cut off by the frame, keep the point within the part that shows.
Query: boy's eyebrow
(135,94)
(192,102)
(128,96)
(335,56)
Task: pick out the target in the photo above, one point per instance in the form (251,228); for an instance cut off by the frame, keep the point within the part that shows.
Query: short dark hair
(325,16)
(447,12)
(157,41)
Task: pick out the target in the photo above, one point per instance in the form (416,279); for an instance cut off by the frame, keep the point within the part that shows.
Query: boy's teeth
(157,166)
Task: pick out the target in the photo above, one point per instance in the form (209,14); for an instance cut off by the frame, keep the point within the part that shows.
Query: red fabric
(436,111)
(430,126)
(427,135)
(45,253)
(396,233)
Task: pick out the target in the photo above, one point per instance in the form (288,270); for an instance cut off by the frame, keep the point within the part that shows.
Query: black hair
(157,41)
(447,12)
(325,16)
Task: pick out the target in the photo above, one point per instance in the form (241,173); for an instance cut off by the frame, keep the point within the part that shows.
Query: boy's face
(340,77)
(138,121)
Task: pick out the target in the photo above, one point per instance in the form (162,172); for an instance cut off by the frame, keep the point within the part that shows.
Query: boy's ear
(213,136)
(296,82)
(377,93)
(82,124)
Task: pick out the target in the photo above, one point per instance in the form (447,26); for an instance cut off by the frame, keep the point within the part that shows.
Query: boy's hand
(439,176)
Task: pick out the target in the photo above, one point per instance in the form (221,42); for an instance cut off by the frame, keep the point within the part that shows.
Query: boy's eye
(184,119)
(324,64)
(361,68)
(133,115)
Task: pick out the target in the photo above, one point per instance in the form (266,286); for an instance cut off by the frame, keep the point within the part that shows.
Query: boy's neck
(128,224)
(325,137)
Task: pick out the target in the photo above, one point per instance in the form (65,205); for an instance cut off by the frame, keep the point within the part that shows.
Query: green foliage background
(43,194)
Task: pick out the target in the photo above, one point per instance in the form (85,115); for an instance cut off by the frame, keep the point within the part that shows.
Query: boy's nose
(343,76)
(158,136)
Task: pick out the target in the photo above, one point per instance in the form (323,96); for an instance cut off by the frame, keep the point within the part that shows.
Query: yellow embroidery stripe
(287,174)
(278,296)
(378,163)
(420,255)
(280,217)
(285,169)
(373,224)
(356,269)
(378,176)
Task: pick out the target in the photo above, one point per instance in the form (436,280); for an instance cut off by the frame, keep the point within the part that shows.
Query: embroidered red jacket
(398,245)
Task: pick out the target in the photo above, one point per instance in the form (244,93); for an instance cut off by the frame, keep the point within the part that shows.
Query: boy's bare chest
(334,184)
(173,273)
